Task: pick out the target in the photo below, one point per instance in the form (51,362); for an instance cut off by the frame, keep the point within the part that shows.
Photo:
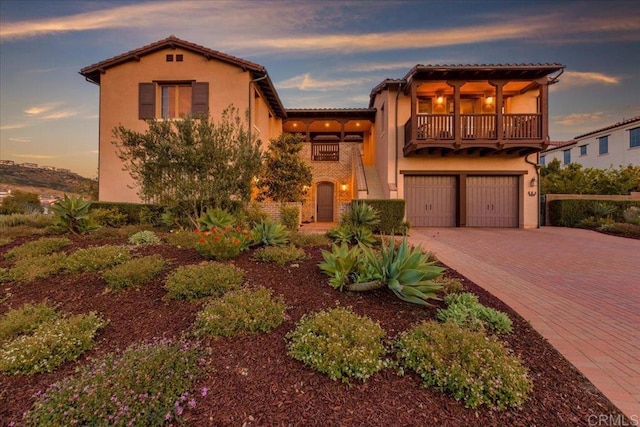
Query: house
(611,146)
(459,143)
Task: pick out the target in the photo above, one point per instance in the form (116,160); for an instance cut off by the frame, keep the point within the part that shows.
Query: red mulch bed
(255,383)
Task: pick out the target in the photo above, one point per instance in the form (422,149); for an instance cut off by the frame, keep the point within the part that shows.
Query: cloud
(13,126)
(59,115)
(586,78)
(21,139)
(307,83)
(43,108)
(579,118)
(36,156)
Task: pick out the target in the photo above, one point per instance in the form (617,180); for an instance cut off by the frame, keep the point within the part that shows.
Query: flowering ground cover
(250,379)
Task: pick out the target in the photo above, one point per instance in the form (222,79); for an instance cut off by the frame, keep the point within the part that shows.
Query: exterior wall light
(533,182)
(343,187)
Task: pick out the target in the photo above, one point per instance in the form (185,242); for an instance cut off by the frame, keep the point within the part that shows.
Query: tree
(285,176)
(191,164)
(20,202)
(574,179)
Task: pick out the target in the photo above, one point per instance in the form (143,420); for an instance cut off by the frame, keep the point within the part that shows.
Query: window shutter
(200,99)
(146,100)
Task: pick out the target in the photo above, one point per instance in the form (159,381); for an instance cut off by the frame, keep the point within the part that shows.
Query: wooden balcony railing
(475,127)
(325,151)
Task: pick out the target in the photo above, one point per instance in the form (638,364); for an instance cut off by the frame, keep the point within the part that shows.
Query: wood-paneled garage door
(492,201)
(431,200)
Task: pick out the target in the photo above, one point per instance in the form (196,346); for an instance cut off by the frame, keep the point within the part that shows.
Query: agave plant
(346,268)
(268,233)
(405,270)
(72,214)
(361,215)
(215,218)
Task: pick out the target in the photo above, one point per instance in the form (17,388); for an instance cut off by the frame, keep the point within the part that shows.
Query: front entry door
(325,202)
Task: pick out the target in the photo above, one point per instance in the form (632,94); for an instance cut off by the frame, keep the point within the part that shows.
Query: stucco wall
(228,85)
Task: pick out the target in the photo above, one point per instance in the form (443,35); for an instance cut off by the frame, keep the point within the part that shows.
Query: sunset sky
(318,54)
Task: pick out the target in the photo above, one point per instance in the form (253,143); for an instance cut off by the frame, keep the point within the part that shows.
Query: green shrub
(96,258)
(108,217)
(450,285)
(391,214)
(5,276)
(470,366)
(569,213)
(36,248)
(134,272)
(147,384)
(5,241)
(133,213)
(622,229)
(290,217)
(28,269)
(631,215)
(196,281)
(280,254)
(243,311)
(25,320)
(35,220)
(268,233)
(183,239)
(253,214)
(309,239)
(144,237)
(338,343)
(465,311)
(72,215)
(20,202)
(50,345)
(222,243)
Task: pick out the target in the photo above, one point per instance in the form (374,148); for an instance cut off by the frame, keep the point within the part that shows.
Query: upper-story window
(634,137)
(543,160)
(603,145)
(583,150)
(176,99)
(424,105)
(567,156)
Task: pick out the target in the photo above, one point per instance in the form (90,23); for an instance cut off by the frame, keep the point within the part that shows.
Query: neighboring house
(459,143)
(610,146)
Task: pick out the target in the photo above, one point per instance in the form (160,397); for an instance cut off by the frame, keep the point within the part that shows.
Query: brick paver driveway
(578,288)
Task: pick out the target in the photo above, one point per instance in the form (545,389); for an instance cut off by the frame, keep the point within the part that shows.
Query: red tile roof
(621,123)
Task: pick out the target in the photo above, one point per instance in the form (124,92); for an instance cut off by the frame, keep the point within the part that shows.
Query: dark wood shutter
(146,100)
(200,99)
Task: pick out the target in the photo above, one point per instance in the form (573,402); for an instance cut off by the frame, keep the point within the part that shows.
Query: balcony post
(544,109)
(457,122)
(499,111)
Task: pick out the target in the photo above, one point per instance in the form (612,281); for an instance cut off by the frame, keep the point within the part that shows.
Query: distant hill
(40,180)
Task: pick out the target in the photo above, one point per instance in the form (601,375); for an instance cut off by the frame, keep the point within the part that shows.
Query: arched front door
(325,201)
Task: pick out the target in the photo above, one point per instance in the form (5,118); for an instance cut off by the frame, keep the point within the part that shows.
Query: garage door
(492,201)
(430,200)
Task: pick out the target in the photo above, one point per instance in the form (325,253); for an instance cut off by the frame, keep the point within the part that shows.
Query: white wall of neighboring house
(619,153)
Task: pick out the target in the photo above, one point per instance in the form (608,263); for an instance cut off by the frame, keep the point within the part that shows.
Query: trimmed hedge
(569,213)
(136,212)
(390,212)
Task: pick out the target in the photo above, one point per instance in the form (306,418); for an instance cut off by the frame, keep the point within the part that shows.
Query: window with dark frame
(603,145)
(583,150)
(566,156)
(179,57)
(634,137)
(177,99)
(169,58)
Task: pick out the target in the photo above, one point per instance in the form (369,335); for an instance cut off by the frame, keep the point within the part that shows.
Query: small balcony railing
(475,127)
(325,151)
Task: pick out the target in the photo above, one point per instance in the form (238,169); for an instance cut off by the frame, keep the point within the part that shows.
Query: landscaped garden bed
(251,379)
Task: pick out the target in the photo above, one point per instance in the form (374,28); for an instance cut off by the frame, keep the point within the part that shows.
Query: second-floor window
(567,157)
(603,145)
(424,105)
(583,150)
(634,138)
(176,101)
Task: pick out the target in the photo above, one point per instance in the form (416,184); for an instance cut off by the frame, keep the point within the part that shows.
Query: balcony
(325,151)
(518,134)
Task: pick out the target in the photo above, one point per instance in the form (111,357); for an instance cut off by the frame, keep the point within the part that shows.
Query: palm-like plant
(72,214)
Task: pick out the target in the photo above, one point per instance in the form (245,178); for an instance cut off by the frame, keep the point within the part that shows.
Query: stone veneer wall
(338,173)
(273,209)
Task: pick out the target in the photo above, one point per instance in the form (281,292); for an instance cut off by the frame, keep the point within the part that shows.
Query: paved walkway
(578,288)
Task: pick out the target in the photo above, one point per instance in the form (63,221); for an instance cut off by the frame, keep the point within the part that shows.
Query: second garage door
(431,200)
(492,201)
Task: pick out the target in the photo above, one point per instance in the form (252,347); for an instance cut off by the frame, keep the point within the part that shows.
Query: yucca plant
(215,218)
(268,233)
(72,214)
(406,270)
